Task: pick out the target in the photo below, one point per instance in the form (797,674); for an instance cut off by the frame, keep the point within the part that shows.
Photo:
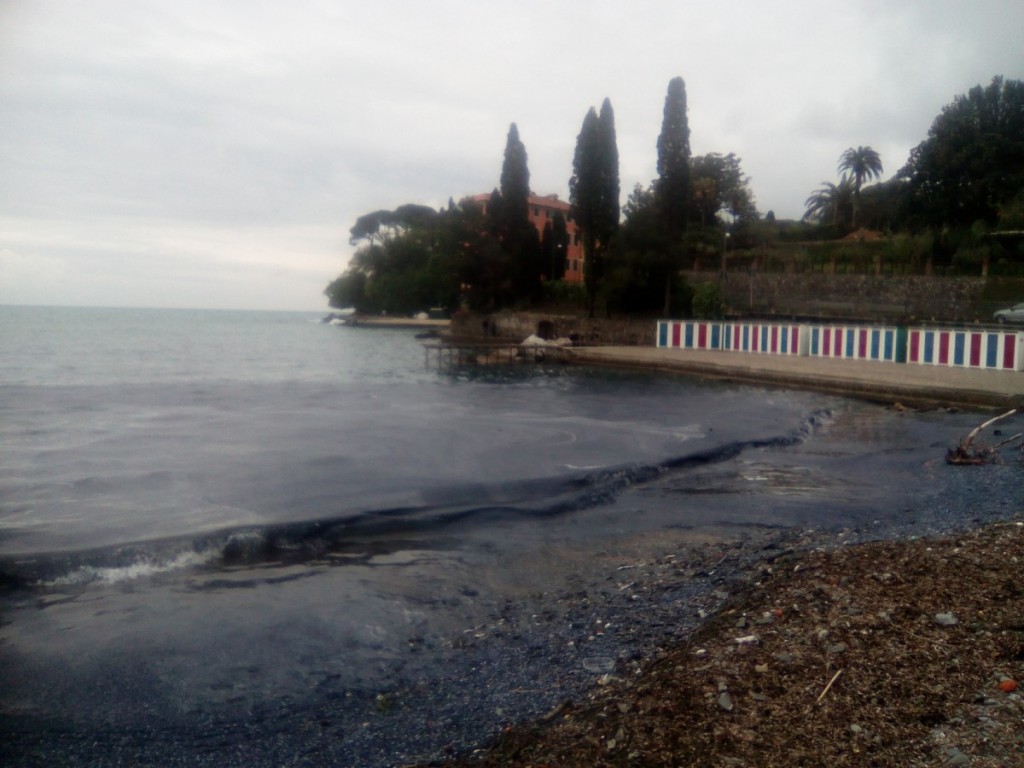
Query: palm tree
(832,203)
(863,163)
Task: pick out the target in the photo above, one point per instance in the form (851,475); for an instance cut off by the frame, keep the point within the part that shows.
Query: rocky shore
(886,653)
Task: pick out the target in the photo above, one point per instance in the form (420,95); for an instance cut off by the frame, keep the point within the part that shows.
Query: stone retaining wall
(860,297)
(776,296)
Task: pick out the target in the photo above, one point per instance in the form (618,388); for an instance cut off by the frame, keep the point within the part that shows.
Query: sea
(235,538)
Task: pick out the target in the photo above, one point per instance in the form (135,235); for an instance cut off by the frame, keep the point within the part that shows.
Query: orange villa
(542,210)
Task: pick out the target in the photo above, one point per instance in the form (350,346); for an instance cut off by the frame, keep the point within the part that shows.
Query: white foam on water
(142,568)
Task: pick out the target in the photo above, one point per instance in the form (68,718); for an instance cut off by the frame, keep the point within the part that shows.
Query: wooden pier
(447,356)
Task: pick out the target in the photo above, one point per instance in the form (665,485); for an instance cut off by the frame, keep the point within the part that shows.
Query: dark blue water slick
(293,568)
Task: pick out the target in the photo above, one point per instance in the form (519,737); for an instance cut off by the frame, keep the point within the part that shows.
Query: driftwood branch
(967,453)
(1007,441)
(994,420)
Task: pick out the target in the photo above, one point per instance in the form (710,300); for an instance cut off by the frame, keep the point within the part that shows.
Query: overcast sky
(197,153)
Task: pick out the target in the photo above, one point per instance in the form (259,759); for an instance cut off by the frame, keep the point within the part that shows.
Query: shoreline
(886,652)
(369,321)
(907,384)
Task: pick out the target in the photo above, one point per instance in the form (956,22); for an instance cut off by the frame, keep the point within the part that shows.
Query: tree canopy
(719,184)
(381,226)
(832,204)
(860,163)
(962,182)
(414,257)
(973,159)
(433,259)
(636,279)
(839,205)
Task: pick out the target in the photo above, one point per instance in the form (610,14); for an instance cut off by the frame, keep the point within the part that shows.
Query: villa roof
(863,235)
(546,201)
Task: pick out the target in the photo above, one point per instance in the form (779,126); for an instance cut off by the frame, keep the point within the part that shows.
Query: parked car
(1014,314)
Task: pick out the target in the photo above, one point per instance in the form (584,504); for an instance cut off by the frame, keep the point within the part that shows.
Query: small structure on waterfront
(996,349)
(454,355)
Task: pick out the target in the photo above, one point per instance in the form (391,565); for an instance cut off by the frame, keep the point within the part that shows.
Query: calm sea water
(206,514)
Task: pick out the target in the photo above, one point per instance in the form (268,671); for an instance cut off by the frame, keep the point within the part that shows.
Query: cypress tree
(519,239)
(515,184)
(673,185)
(594,192)
(584,196)
(608,175)
(674,158)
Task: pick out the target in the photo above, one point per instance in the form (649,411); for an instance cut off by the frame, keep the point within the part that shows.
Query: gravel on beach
(901,652)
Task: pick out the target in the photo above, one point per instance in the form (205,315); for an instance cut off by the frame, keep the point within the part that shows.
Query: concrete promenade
(883,382)
(911,385)
(399,323)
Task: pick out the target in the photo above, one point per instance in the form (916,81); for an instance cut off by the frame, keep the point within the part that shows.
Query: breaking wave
(577,490)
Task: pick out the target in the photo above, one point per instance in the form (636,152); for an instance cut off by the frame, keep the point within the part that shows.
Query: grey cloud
(143,141)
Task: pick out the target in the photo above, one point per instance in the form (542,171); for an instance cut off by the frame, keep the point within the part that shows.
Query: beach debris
(828,687)
(969,453)
(955,757)
(599,664)
(383,703)
(533,340)
(555,711)
(725,701)
(945,619)
(861,664)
